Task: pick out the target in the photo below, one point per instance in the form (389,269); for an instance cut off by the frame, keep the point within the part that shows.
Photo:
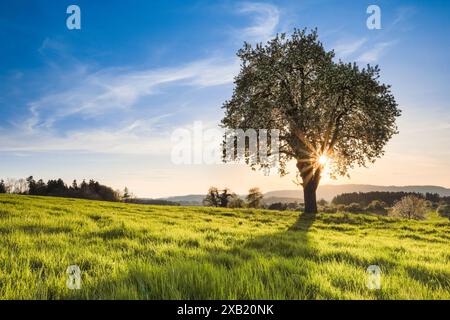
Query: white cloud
(105,92)
(138,137)
(265,21)
(374,54)
(97,93)
(345,49)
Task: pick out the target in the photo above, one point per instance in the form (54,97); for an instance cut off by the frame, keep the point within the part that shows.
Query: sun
(323,160)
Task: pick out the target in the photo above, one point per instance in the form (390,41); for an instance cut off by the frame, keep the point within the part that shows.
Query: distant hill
(187,200)
(327,192)
(268,200)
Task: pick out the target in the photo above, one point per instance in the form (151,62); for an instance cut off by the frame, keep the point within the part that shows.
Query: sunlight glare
(323,160)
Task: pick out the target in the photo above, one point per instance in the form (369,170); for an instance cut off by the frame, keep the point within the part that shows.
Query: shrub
(236,202)
(328,209)
(444,210)
(377,206)
(278,206)
(410,207)
(354,208)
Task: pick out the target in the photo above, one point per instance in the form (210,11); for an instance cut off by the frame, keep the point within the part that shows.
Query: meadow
(128,251)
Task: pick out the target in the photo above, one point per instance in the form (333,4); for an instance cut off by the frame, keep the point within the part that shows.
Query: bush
(327,209)
(377,206)
(444,210)
(354,208)
(410,207)
(278,206)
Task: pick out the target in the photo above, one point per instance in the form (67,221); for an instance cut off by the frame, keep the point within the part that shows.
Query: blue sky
(103,101)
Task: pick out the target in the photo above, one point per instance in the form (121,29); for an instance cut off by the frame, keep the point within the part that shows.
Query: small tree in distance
(2,186)
(236,202)
(126,197)
(410,207)
(254,198)
(212,198)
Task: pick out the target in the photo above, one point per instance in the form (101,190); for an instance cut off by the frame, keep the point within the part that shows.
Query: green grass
(130,251)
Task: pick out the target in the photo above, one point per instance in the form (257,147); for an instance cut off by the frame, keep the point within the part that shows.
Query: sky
(103,102)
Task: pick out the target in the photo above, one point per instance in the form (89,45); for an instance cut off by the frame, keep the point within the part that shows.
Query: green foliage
(129,251)
(215,198)
(255,198)
(2,186)
(58,188)
(444,210)
(377,206)
(212,198)
(236,202)
(328,209)
(318,105)
(354,208)
(365,198)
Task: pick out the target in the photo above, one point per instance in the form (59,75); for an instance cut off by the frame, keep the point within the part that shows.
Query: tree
(212,198)
(126,195)
(2,186)
(443,210)
(236,202)
(31,185)
(322,109)
(254,198)
(16,186)
(74,186)
(377,206)
(410,207)
(224,197)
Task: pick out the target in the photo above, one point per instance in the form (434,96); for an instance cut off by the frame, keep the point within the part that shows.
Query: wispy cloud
(373,54)
(403,14)
(345,49)
(264,23)
(114,89)
(137,137)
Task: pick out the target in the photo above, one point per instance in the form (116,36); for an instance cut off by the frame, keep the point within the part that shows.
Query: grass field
(130,251)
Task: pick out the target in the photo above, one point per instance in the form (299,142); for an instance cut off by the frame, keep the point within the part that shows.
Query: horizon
(102,102)
(321,186)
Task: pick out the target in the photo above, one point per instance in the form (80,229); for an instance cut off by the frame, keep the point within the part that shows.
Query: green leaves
(319,105)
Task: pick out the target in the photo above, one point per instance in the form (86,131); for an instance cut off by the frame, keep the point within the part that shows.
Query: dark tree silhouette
(254,198)
(2,186)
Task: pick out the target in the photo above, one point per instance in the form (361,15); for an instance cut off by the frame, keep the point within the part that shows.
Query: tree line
(389,198)
(92,190)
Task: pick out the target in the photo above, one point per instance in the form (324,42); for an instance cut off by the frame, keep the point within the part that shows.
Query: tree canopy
(321,107)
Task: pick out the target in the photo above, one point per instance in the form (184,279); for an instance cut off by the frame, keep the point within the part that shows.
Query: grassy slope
(134,251)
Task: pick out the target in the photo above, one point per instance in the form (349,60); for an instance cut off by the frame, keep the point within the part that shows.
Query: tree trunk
(309,196)
(311,179)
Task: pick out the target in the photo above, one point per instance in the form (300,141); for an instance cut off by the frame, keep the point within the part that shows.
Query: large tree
(326,111)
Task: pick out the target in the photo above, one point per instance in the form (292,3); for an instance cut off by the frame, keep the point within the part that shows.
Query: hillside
(327,192)
(128,251)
